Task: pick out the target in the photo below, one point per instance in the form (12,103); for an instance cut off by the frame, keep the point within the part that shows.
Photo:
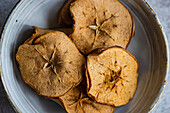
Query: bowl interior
(148,46)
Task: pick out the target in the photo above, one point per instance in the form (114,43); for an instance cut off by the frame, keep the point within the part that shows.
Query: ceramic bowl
(149,46)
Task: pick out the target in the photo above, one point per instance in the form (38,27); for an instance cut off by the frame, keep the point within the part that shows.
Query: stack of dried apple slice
(85,69)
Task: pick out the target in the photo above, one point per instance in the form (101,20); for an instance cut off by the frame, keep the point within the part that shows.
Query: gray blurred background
(162,9)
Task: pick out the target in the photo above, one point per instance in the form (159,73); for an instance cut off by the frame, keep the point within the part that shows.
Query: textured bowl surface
(149,46)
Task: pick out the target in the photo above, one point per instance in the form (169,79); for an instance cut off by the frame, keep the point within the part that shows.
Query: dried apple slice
(77,101)
(112,76)
(65,18)
(52,65)
(101,24)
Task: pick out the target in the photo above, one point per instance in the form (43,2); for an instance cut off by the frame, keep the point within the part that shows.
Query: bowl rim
(157,99)
(9,17)
(160,93)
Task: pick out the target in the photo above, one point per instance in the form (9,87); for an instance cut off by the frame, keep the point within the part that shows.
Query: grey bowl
(149,46)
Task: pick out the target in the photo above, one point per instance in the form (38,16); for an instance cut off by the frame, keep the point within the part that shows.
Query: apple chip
(112,76)
(101,24)
(77,101)
(65,18)
(51,65)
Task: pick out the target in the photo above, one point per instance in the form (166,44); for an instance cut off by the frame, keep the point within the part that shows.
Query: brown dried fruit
(112,76)
(51,65)
(65,18)
(77,101)
(101,24)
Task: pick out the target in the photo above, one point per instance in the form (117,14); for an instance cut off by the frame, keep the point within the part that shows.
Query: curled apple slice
(51,64)
(101,24)
(112,76)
